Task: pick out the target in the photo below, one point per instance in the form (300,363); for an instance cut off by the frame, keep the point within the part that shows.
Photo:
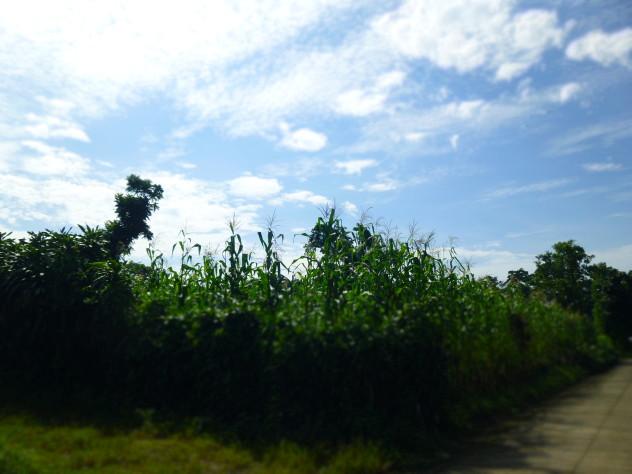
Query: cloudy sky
(502,126)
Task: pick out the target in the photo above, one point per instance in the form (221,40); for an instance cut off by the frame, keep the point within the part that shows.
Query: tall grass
(364,335)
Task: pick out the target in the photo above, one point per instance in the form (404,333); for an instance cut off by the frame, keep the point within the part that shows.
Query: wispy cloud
(385,182)
(354,166)
(301,197)
(361,102)
(186,165)
(539,187)
(618,257)
(603,48)
(50,127)
(302,168)
(527,233)
(171,152)
(438,126)
(107,55)
(247,65)
(581,139)
(601,167)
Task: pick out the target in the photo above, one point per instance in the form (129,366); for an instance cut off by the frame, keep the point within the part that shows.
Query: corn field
(363,335)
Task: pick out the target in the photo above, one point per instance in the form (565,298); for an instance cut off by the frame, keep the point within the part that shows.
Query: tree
(133,209)
(612,302)
(519,280)
(563,275)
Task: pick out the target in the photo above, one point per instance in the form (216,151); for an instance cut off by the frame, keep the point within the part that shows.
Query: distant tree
(519,279)
(611,292)
(133,210)
(563,275)
(490,281)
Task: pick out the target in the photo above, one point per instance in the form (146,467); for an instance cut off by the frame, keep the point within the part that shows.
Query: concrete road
(588,429)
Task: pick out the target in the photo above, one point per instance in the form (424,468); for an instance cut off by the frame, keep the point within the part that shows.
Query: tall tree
(563,275)
(134,208)
(612,302)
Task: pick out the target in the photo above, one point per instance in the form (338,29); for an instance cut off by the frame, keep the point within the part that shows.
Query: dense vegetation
(365,335)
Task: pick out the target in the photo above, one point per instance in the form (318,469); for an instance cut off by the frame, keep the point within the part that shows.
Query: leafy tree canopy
(563,275)
(134,208)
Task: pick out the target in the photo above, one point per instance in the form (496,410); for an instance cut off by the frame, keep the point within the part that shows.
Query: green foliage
(133,210)
(601,293)
(362,336)
(611,294)
(519,280)
(563,275)
(61,304)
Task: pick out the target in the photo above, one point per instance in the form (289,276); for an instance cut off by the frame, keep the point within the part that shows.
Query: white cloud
(245,66)
(350,208)
(383,185)
(494,262)
(47,127)
(358,102)
(601,167)
(619,257)
(354,166)
(454,141)
(254,187)
(9,152)
(105,164)
(50,160)
(568,91)
(603,48)
(302,139)
(469,34)
(198,206)
(186,165)
(57,200)
(107,53)
(301,197)
(414,137)
(539,187)
(361,102)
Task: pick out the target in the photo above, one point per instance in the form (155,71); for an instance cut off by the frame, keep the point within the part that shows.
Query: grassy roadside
(31,446)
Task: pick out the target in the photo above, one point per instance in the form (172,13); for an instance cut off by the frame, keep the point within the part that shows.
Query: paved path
(588,429)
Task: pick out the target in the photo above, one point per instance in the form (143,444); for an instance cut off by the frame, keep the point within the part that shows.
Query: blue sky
(502,126)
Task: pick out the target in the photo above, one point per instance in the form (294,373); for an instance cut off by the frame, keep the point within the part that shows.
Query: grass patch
(29,446)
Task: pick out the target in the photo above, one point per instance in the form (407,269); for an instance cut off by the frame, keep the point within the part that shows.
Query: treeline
(567,276)
(367,336)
